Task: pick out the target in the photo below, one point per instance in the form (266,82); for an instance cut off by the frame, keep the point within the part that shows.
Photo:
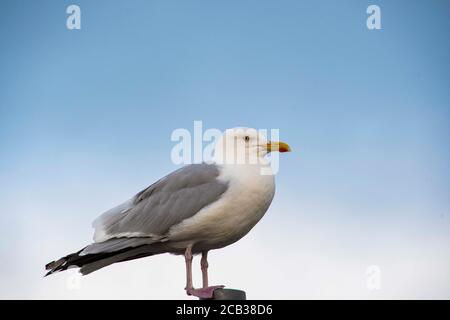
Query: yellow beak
(278,146)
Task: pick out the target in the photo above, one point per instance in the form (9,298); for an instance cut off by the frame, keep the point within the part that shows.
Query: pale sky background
(86,118)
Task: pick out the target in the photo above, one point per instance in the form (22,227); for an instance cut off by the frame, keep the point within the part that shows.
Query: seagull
(193,210)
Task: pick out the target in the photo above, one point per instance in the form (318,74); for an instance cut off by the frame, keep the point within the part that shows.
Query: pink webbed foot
(203,293)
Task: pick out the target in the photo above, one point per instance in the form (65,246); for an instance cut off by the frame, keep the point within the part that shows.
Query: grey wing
(169,201)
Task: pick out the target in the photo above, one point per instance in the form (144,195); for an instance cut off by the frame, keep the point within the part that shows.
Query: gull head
(245,146)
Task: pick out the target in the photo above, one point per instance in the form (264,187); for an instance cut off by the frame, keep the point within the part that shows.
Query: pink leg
(188,260)
(205,292)
(204,266)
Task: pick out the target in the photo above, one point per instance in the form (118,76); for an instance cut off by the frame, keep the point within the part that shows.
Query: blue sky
(86,117)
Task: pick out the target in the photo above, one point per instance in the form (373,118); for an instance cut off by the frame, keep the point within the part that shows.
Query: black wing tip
(48,273)
(55,266)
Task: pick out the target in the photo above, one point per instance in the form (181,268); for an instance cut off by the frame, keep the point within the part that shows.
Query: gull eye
(247,138)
